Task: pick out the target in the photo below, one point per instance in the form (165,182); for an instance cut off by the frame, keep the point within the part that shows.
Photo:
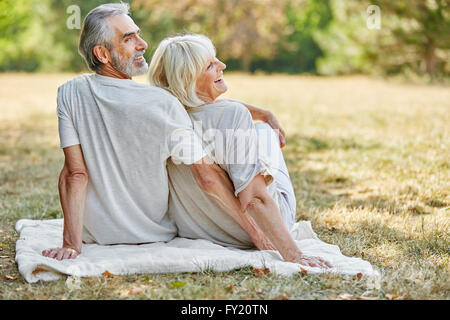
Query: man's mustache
(139,53)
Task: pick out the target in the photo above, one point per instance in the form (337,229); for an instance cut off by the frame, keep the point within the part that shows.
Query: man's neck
(108,70)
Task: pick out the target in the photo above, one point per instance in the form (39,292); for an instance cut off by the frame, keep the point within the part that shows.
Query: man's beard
(127,66)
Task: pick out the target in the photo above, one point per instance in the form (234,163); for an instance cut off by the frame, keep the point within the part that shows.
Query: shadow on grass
(416,247)
(301,143)
(317,189)
(323,189)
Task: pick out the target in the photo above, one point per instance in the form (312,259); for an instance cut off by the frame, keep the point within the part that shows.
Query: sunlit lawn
(370,164)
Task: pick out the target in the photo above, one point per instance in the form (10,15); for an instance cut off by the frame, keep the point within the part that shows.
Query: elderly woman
(250,154)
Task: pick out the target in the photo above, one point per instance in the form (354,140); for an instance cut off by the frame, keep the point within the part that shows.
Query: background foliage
(325,37)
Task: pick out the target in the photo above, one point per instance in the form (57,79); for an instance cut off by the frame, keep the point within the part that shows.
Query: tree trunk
(246,60)
(430,58)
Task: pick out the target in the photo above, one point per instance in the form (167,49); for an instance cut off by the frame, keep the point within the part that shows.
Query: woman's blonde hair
(176,64)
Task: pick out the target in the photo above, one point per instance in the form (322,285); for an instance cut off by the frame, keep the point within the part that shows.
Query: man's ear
(102,54)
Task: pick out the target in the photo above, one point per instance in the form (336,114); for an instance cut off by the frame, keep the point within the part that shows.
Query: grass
(369,160)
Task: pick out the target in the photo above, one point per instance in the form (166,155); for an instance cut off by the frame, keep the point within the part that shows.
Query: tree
(422,27)
(297,50)
(413,38)
(239,28)
(16,20)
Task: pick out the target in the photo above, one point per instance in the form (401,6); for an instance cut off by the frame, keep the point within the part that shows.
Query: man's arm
(217,185)
(72,186)
(254,200)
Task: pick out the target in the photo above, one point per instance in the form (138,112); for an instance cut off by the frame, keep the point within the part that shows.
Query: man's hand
(264,115)
(273,122)
(60,253)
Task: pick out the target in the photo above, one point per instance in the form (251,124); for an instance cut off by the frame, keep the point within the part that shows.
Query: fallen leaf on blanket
(39,270)
(391,296)
(359,275)
(178,284)
(3,245)
(107,274)
(261,272)
(3,257)
(304,271)
(9,278)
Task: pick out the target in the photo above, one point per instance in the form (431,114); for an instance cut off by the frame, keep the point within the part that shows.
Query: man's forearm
(72,192)
(220,189)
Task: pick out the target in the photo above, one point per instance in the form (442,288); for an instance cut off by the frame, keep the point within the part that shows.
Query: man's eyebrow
(127,34)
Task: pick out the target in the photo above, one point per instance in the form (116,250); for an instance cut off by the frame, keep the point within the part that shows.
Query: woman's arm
(260,114)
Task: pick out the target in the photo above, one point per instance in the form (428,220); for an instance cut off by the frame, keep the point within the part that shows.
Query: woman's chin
(221,88)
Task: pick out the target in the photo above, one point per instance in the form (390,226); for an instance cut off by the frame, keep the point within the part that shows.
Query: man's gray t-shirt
(126,131)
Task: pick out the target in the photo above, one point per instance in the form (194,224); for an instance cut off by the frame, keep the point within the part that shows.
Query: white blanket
(177,255)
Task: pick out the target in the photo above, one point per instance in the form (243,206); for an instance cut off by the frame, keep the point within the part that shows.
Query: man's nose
(141,44)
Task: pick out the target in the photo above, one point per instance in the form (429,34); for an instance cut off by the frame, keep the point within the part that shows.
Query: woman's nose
(222,66)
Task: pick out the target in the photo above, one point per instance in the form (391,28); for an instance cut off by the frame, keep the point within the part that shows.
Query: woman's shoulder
(231,106)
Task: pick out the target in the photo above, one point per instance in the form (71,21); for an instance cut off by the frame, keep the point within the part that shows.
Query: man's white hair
(96,31)
(176,64)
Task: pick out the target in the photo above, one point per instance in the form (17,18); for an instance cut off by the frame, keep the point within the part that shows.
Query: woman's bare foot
(310,261)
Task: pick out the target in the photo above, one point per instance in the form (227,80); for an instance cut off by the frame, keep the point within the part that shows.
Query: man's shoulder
(78,79)
(161,93)
(74,82)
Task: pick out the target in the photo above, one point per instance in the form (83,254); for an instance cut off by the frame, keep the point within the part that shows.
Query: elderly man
(116,136)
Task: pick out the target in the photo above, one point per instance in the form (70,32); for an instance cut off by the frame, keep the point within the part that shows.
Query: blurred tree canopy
(292,36)
(413,38)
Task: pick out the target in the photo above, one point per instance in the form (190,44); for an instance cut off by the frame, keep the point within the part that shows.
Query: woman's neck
(206,99)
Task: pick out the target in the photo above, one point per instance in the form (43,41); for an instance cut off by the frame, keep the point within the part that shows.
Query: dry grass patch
(369,160)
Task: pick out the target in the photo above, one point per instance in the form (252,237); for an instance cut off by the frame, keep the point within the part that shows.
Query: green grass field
(369,160)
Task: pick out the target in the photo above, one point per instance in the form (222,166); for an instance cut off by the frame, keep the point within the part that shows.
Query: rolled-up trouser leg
(269,148)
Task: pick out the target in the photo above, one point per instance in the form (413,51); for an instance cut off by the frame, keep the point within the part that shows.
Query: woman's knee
(254,194)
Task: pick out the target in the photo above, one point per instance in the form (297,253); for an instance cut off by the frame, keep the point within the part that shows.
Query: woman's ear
(102,54)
